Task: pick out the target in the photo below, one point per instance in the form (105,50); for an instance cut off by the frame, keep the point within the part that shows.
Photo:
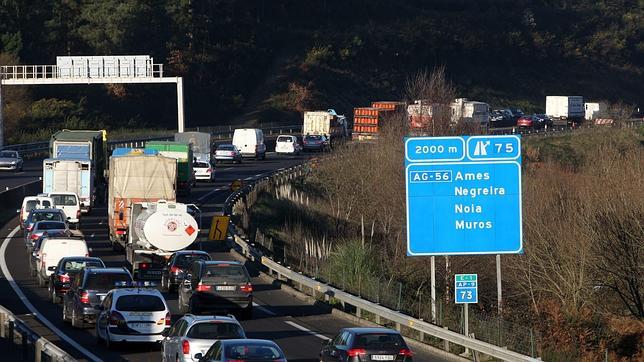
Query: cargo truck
(368,121)
(470,112)
(83,145)
(156,230)
(200,141)
(76,176)
(565,110)
(136,177)
(423,114)
(325,123)
(182,153)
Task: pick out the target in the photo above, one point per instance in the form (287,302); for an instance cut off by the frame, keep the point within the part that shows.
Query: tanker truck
(136,176)
(156,230)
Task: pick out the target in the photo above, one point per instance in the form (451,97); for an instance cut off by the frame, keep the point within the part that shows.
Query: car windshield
(200,165)
(30,205)
(184,261)
(105,281)
(379,340)
(76,265)
(284,139)
(8,154)
(227,272)
(251,352)
(47,216)
(64,200)
(50,225)
(314,138)
(215,330)
(226,148)
(140,303)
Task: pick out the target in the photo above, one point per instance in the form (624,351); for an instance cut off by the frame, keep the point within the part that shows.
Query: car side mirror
(198,356)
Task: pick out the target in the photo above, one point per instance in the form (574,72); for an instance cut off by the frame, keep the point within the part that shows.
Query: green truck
(182,152)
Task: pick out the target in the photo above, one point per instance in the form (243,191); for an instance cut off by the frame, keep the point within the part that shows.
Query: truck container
(327,123)
(200,141)
(470,112)
(122,151)
(69,175)
(565,110)
(182,153)
(137,178)
(83,145)
(594,110)
(156,230)
(422,114)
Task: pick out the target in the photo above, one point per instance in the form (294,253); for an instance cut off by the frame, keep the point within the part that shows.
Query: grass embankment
(574,292)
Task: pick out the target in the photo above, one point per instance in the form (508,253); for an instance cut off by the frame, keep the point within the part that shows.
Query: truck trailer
(155,231)
(182,153)
(70,175)
(565,110)
(327,123)
(136,177)
(200,141)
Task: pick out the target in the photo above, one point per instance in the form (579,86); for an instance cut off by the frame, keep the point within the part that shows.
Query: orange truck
(367,121)
(136,177)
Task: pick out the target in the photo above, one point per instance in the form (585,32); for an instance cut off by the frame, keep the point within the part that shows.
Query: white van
(250,142)
(69,203)
(54,248)
(33,202)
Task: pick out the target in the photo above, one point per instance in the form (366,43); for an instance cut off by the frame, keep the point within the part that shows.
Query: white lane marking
(208,194)
(27,303)
(293,324)
(264,309)
(259,175)
(248,178)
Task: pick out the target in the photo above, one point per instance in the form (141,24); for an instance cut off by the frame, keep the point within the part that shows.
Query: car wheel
(65,314)
(52,293)
(76,321)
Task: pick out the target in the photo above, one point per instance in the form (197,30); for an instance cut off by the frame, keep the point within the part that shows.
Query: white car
(203,171)
(69,203)
(10,160)
(33,202)
(287,144)
(54,248)
(250,142)
(132,315)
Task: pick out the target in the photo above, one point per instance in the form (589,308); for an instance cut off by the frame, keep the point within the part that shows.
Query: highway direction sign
(466,288)
(463,195)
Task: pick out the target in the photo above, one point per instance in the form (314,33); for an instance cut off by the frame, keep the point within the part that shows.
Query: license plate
(140,325)
(226,287)
(382,357)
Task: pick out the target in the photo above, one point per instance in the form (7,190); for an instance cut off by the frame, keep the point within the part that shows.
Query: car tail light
(120,232)
(63,278)
(115,318)
(248,288)
(405,352)
(78,214)
(232,153)
(144,266)
(84,298)
(34,237)
(203,288)
(356,352)
(185,347)
(175,269)
(168,319)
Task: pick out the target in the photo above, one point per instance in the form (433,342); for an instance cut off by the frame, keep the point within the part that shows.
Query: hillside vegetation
(268,60)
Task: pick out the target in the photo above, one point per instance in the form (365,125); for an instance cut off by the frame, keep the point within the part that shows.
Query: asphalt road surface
(299,328)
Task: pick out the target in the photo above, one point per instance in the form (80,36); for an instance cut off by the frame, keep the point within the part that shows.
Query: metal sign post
(466,292)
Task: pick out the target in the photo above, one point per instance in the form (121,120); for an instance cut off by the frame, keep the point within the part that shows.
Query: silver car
(228,152)
(10,160)
(192,335)
(45,227)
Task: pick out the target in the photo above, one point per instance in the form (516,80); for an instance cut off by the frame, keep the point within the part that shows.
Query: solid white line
(208,194)
(293,324)
(264,309)
(229,168)
(27,303)
(248,178)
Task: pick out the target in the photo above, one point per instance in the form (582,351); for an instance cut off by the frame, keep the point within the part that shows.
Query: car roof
(265,342)
(365,330)
(46,221)
(191,252)
(107,270)
(191,318)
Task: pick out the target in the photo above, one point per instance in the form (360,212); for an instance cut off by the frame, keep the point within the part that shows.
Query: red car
(526,122)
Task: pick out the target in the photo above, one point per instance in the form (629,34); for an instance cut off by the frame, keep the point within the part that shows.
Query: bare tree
(433,95)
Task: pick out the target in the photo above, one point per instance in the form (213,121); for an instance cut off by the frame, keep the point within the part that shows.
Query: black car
(501,118)
(80,304)
(366,344)
(65,273)
(216,286)
(179,263)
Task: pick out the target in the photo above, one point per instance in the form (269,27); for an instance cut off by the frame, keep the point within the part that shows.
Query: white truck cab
(69,203)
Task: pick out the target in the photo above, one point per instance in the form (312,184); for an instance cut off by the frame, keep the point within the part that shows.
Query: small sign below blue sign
(464,205)
(466,288)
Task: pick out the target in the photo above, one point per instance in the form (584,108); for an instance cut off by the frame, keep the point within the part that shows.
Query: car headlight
(13,162)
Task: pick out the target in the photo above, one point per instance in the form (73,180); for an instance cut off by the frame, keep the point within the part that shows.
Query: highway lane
(31,171)
(279,316)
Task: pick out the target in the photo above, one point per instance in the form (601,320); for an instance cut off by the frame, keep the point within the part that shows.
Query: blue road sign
(469,204)
(466,288)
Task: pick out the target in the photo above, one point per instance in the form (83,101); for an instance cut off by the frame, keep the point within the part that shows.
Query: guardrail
(218,133)
(31,343)
(238,200)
